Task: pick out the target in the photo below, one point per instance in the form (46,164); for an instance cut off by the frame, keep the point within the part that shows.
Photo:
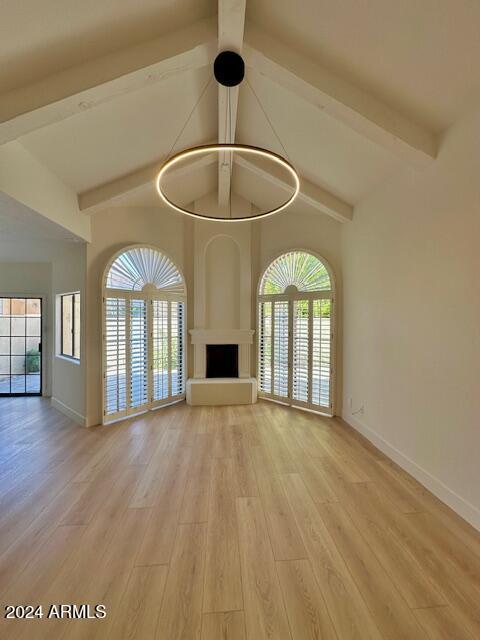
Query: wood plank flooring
(225,523)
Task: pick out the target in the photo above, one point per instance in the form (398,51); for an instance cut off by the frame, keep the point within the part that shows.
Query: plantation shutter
(265,347)
(301,350)
(176,348)
(138,353)
(321,352)
(280,348)
(160,340)
(115,371)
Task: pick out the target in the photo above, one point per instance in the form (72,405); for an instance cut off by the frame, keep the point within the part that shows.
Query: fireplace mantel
(221,336)
(201,337)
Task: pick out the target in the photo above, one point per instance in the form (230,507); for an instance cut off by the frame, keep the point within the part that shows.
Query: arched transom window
(142,267)
(296,331)
(144,333)
(295,268)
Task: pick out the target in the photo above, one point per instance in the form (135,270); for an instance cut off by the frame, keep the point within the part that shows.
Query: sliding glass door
(20,346)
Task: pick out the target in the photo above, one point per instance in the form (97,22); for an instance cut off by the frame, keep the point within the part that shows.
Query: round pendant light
(229,71)
(259,152)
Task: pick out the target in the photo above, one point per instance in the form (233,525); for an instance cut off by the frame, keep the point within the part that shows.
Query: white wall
(411,271)
(68,377)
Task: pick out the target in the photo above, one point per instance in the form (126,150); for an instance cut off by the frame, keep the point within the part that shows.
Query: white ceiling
(419,58)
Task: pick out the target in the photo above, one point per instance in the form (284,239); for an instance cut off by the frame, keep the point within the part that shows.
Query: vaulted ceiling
(97,91)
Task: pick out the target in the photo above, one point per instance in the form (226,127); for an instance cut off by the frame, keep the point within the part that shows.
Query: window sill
(68,359)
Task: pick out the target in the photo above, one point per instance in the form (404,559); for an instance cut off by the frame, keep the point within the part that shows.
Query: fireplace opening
(222,360)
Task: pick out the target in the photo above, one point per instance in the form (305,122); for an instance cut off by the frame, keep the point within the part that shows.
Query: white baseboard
(467,511)
(71,413)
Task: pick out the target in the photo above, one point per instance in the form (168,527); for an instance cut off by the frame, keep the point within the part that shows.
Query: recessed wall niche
(222,276)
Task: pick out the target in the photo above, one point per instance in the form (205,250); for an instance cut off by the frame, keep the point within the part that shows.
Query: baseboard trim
(462,507)
(68,411)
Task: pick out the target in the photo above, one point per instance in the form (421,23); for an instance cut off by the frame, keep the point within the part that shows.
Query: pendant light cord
(267,118)
(207,84)
(230,140)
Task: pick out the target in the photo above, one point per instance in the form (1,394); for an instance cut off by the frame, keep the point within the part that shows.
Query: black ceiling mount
(229,68)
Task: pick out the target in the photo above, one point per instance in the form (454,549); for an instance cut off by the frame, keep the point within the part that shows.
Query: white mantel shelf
(221,336)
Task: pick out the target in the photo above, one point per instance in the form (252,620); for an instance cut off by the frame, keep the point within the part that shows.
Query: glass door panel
(20,346)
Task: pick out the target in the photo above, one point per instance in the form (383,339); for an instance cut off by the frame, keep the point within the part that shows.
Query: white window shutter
(115,356)
(138,353)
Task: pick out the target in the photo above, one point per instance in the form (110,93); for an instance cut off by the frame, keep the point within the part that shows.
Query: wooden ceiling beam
(338,98)
(107,194)
(87,85)
(310,193)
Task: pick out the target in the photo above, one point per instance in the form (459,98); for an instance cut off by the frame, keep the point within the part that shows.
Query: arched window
(144,333)
(296,331)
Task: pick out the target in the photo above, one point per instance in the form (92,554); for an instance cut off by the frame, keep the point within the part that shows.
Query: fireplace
(222,360)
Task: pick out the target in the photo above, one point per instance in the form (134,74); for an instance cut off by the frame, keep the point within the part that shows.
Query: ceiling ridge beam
(231,23)
(87,85)
(310,193)
(338,98)
(106,194)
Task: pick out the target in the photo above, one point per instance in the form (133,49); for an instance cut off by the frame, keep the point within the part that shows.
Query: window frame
(61,352)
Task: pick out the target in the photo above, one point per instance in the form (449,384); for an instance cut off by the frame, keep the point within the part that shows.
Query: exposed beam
(338,98)
(107,194)
(64,94)
(231,22)
(310,193)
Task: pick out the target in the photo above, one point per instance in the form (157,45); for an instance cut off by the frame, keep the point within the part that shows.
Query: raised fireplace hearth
(222,360)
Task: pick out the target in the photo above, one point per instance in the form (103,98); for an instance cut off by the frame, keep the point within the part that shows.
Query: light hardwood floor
(225,523)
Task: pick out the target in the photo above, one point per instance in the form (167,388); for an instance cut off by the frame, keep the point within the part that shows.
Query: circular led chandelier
(229,71)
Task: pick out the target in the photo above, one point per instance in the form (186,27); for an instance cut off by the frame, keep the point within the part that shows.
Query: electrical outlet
(350,403)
